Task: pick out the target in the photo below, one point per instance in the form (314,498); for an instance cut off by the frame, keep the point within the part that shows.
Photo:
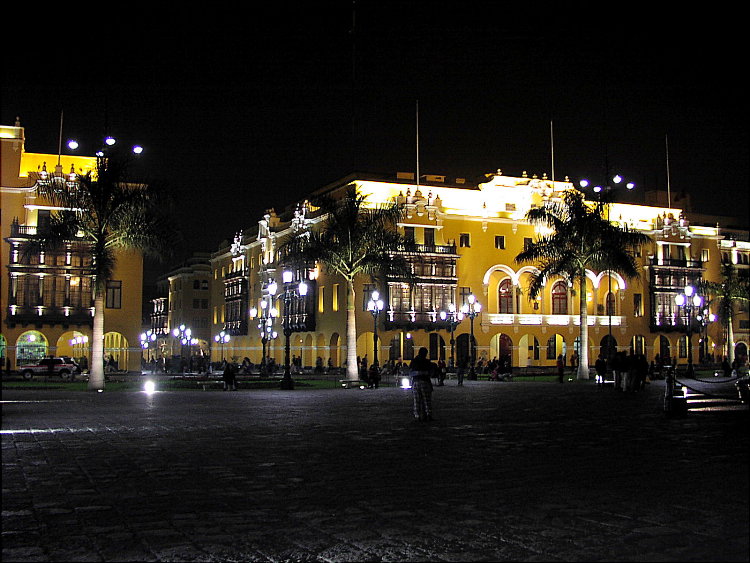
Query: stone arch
(334,349)
(307,352)
(528,351)
(31,346)
(116,348)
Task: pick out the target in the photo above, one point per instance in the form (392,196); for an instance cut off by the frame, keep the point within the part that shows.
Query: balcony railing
(420,319)
(433,249)
(551,320)
(676,262)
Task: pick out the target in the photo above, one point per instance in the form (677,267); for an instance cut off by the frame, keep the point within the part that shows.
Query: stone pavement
(507,471)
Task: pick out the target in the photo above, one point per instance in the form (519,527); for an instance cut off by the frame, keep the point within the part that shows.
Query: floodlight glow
(302,288)
(110,141)
(405,383)
(137,149)
(584,183)
(617,179)
(72,144)
(149,387)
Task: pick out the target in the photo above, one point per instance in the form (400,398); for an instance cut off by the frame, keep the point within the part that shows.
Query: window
(367,290)
(429,237)
(335,297)
(527,241)
(409,233)
(196,303)
(505,297)
(196,284)
(204,284)
(113,297)
(637,305)
(463,295)
(499,242)
(560,298)
(464,240)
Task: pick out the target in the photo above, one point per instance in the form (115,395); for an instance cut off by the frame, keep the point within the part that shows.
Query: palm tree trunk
(96,372)
(583,359)
(351,333)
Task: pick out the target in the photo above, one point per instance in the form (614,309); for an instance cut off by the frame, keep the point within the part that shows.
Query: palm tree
(731,289)
(353,240)
(112,216)
(580,239)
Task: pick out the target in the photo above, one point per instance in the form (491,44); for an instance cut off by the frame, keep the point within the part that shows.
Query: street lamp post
(266,317)
(453,317)
(705,317)
(375,306)
(184,335)
(689,301)
(293,320)
(471,310)
(222,338)
(146,339)
(608,190)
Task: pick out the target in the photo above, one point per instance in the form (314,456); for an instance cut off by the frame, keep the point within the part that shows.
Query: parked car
(64,367)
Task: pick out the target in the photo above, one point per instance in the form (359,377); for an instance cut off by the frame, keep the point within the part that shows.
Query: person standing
(422,370)
(560,368)
(229,377)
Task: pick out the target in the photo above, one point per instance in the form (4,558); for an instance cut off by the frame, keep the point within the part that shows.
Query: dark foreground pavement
(507,471)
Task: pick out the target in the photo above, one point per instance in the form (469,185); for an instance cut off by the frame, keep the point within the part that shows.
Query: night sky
(239,113)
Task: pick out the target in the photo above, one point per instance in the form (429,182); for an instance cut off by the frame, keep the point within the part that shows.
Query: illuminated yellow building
(47,298)
(468,237)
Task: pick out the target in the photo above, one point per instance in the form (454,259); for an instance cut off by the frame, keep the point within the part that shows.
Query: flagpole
(669,190)
(417,142)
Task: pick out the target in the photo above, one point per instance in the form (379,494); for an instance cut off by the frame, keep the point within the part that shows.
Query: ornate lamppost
(266,316)
(293,320)
(453,317)
(222,338)
(472,310)
(704,317)
(184,335)
(600,191)
(375,306)
(146,339)
(688,301)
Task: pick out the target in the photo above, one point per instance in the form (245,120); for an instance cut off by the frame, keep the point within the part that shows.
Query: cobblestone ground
(507,471)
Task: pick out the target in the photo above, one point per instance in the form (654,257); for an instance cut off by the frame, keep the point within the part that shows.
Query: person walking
(461,371)
(422,370)
(560,368)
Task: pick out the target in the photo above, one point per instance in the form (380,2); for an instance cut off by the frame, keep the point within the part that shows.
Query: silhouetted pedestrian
(230,382)
(422,370)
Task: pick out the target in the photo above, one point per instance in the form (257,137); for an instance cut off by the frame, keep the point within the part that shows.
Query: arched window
(560,298)
(505,297)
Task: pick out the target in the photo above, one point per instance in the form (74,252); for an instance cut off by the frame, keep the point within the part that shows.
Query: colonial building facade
(467,237)
(47,296)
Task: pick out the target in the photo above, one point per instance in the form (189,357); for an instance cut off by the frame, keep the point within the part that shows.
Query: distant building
(47,297)
(468,235)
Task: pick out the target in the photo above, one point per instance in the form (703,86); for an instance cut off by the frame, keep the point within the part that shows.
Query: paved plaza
(506,471)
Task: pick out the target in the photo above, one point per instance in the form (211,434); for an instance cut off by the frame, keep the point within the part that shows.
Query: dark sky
(239,113)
